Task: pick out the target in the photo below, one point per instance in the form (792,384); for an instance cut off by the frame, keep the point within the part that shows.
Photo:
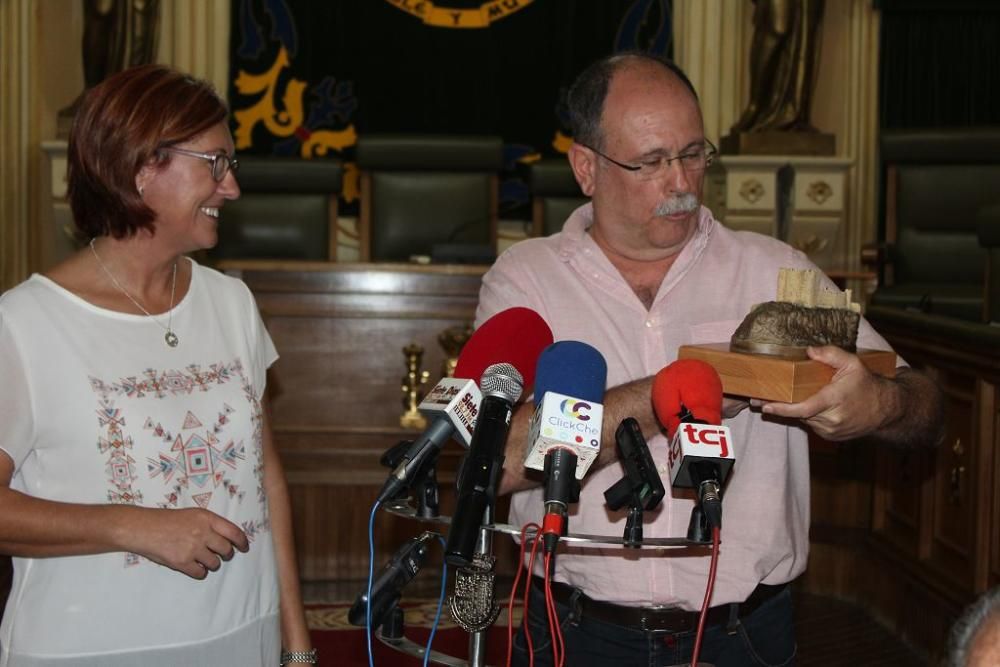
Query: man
(975,637)
(638,272)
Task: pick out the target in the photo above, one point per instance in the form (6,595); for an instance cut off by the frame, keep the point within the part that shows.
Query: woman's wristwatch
(303,657)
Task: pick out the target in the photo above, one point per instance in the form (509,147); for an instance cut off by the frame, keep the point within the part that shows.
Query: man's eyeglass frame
(710,152)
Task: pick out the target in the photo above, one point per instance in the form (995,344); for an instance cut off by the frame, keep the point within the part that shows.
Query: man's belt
(655,619)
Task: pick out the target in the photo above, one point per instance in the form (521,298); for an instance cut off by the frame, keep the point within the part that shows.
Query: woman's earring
(140,190)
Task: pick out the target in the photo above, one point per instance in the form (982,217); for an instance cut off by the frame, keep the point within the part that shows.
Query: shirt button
(649,323)
(663,470)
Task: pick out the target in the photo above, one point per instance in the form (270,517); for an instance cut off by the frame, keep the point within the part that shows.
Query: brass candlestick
(452,340)
(412,382)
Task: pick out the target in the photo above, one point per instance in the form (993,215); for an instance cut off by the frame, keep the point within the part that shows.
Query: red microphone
(687,399)
(688,390)
(507,370)
(516,336)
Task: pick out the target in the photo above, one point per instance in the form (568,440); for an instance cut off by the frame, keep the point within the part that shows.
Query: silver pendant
(171,339)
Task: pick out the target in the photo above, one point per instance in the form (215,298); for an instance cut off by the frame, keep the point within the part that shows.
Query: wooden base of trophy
(773,378)
(774,142)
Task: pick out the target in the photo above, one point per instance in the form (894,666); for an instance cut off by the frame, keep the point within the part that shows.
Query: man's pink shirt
(717,277)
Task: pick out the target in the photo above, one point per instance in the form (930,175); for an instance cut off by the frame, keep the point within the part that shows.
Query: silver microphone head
(502,380)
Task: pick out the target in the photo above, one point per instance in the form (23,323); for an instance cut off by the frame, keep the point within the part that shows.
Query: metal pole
(484,547)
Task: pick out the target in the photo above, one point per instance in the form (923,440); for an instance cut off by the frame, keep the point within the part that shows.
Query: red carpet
(341,644)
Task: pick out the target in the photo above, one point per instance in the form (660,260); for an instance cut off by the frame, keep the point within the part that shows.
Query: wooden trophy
(766,357)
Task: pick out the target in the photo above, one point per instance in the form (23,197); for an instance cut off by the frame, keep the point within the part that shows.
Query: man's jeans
(764,638)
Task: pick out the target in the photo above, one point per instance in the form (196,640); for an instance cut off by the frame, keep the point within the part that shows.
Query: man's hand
(733,406)
(191,541)
(855,403)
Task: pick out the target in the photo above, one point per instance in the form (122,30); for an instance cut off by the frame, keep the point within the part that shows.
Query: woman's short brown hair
(120,126)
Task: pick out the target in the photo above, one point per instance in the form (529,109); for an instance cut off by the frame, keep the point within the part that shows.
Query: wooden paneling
(336,393)
(954,514)
(840,517)
(935,539)
(903,490)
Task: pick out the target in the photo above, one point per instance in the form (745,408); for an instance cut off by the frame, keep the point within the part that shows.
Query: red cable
(513,592)
(555,629)
(708,597)
(527,593)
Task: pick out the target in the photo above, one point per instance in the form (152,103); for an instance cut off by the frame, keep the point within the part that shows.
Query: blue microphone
(565,430)
(569,387)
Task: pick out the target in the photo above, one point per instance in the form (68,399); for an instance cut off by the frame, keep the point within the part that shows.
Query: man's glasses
(221,163)
(691,161)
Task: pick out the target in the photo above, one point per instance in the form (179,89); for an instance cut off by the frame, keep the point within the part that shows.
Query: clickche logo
(575,409)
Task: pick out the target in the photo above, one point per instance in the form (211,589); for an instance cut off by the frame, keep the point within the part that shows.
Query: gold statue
(412,382)
(452,340)
(784,58)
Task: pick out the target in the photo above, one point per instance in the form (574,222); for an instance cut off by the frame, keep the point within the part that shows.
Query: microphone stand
(484,550)
(426,491)
(424,486)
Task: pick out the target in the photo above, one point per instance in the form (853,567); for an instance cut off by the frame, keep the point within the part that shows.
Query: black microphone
(427,446)
(388,587)
(561,489)
(501,385)
(641,487)
(641,484)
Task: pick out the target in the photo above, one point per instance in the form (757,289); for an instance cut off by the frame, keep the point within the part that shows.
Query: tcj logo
(575,409)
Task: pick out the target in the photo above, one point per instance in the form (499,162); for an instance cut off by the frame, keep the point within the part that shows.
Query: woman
(140,491)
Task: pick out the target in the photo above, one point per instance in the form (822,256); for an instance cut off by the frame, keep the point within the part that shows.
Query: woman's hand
(191,541)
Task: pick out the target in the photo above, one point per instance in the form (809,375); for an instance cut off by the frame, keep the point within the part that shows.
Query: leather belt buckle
(664,619)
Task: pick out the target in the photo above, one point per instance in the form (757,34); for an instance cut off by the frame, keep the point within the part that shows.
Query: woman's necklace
(170,337)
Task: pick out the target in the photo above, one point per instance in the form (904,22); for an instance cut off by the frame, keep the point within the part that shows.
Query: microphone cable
(527,591)
(708,596)
(437,616)
(371,578)
(555,628)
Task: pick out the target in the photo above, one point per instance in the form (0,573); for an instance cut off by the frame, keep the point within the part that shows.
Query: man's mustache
(683,203)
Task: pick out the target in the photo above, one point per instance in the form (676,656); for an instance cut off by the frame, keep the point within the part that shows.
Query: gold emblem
(286,120)
(453,17)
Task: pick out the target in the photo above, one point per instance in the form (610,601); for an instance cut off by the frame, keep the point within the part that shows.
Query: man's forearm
(627,400)
(916,410)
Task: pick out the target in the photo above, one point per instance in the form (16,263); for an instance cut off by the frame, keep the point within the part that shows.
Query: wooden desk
(336,391)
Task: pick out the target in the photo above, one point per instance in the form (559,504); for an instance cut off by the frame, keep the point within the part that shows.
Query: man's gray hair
(975,618)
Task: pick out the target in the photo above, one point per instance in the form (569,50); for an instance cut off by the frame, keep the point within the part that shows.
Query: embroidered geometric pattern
(195,460)
(120,465)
